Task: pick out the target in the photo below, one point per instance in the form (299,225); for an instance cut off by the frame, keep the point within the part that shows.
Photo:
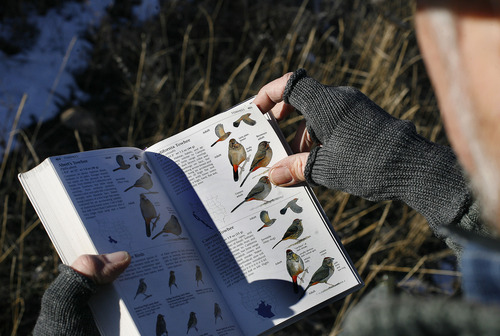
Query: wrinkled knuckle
(298,170)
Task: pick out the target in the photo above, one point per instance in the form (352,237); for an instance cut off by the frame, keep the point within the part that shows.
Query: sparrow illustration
(246,119)
(148,212)
(161,326)
(144,181)
(121,163)
(324,272)
(236,154)
(221,134)
(192,322)
(293,232)
(293,206)
(264,217)
(141,289)
(261,159)
(258,192)
(172,226)
(294,266)
(145,165)
(171,281)
(198,275)
(217,312)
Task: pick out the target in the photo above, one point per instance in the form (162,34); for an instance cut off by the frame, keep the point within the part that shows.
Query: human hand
(290,170)
(363,150)
(102,268)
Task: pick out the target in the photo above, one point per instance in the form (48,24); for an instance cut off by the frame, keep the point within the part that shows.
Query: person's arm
(64,309)
(368,153)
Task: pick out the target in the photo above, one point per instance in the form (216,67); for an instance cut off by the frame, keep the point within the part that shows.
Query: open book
(216,249)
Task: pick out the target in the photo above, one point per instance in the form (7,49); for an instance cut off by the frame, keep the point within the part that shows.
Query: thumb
(289,171)
(103,268)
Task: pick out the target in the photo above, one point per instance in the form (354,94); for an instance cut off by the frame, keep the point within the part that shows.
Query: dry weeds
(148,81)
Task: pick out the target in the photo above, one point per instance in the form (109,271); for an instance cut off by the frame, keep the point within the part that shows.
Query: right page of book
(270,249)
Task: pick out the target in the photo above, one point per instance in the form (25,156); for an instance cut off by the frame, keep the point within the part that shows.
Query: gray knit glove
(64,308)
(367,152)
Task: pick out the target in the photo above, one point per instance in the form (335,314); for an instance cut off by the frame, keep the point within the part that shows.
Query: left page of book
(108,200)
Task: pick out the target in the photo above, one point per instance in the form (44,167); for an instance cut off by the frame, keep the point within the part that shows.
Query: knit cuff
(64,309)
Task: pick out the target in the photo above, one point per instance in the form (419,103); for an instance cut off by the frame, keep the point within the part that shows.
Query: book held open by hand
(216,248)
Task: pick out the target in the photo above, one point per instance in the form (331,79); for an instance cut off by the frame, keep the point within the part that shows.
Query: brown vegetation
(149,80)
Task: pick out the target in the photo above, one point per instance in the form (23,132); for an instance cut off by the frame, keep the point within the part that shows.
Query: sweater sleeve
(368,153)
(64,309)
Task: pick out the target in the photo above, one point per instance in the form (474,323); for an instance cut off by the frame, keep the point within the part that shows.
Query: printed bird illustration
(293,206)
(135,157)
(246,119)
(144,181)
(161,325)
(171,281)
(172,226)
(324,272)
(198,275)
(141,289)
(236,154)
(221,134)
(192,322)
(217,312)
(148,212)
(121,163)
(264,217)
(293,232)
(294,266)
(258,192)
(261,159)
(145,165)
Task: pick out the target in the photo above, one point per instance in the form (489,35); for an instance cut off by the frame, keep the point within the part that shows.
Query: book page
(269,248)
(122,205)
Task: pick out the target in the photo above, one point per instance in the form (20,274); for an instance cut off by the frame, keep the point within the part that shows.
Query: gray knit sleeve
(368,153)
(64,308)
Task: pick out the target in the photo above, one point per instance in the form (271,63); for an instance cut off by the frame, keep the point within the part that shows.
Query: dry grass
(146,82)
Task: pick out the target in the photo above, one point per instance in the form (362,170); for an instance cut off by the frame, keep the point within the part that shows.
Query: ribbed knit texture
(408,316)
(64,308)
(368,153)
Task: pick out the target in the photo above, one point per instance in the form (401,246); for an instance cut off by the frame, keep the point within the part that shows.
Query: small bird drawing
(171,281)
(148,212)
(135,157)
(141,289)
(294,266)
(198,275)
(221,134)
(217,312)
(261,159)
(324,272)
(264,217)
(293,232)
(145,165)
(246,119)
(192,322)
(236,154)
(258,192)
(172,226)
(293,206)
(121,163)
(144,181)
(161,325)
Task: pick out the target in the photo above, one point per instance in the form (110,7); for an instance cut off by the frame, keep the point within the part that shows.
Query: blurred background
(88,74)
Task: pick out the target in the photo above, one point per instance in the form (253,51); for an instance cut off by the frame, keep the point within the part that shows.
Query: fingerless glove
(64,308)
(368,153)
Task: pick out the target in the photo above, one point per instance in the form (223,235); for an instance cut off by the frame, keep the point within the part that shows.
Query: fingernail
(117,257)
(280,175)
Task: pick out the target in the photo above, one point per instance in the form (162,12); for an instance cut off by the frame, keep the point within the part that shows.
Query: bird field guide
(216,248)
